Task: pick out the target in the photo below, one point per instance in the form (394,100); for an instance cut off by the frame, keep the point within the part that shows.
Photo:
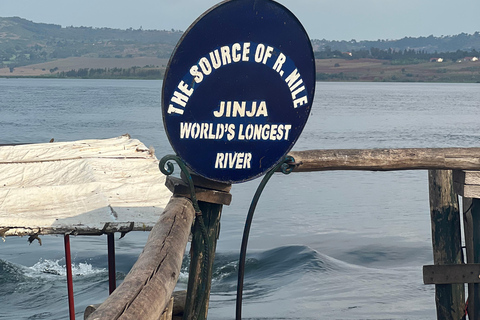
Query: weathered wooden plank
(146,290)
(472,177)
(205,183)
(166,315)
(387,159)
(446,241)
(179,187)
(450,274)
(467,177)
(467,183)
(466,190)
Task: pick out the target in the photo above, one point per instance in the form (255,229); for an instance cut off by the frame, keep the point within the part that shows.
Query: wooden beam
(147,288)
(450,274)
(387,159)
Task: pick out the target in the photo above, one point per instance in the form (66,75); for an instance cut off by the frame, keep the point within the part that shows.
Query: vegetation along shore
(29,49)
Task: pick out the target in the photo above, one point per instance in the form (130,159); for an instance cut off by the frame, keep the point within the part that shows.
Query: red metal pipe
(112,281)
(68,266)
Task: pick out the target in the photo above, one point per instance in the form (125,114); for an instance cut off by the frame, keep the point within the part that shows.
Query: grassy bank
(326,70)
(95,68)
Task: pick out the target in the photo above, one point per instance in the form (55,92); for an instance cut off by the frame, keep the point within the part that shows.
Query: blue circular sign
(238,89)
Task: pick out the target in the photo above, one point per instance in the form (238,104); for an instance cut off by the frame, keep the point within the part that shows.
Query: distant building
(470,59)
(436,59)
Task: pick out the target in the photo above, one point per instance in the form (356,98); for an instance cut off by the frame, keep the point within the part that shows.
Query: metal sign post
(237,93)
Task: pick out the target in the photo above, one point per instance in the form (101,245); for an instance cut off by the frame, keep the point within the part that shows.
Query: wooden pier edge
(147,289)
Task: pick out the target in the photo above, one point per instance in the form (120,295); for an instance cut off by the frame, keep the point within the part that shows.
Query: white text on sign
(233,160)
(239,53)
(229,131)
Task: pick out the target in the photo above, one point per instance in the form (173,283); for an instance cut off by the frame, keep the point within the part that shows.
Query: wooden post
(198,292)
(211,198)
(446,241)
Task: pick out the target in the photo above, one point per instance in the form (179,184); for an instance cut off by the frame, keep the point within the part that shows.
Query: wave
(286,261)
(39,291)
(282,281)
(11,273)
(54,267)
(265,270)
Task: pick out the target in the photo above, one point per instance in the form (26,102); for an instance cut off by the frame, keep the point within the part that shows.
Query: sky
(323,19)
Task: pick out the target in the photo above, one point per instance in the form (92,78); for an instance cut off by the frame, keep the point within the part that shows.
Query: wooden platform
(80,187)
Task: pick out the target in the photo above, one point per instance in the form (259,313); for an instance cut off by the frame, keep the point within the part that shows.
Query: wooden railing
(388,159)
(448,179)
(147,289)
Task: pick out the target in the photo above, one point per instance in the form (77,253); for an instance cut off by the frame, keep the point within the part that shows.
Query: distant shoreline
(361,70)
(374,70)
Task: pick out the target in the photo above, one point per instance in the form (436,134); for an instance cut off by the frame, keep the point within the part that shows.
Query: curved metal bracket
(286,166)
(167,168)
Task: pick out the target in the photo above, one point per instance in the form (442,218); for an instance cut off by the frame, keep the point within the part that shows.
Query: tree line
(406,55)
(113,73)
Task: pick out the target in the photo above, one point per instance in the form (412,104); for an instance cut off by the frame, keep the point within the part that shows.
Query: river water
(325,245)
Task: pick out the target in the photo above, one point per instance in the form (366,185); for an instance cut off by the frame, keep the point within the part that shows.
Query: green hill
(39,49)
(24,42)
